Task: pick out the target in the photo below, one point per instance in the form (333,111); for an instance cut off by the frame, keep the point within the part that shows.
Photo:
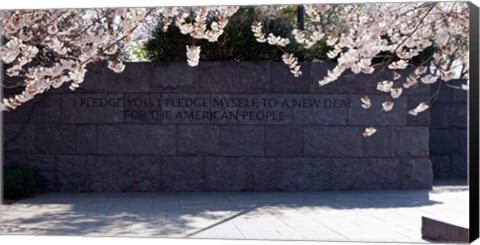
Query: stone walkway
(383,216)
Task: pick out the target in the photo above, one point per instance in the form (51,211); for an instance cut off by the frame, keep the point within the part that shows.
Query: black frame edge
(473,122)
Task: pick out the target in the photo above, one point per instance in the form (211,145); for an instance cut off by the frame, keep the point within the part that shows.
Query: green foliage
(237,43)
(20,181)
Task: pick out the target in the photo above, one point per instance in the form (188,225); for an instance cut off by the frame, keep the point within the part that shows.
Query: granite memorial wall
(222,126)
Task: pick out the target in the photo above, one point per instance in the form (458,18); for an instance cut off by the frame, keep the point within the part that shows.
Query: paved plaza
(383,216)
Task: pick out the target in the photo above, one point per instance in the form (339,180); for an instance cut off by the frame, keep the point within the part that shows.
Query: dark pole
(300,19)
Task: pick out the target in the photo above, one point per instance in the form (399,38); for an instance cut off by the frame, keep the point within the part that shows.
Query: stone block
(72,173)
(442,96)
(86,138)
(198,140)
(441,165)
(283,141)
(444,141)
(448,115)
(242,140)
(45,165)
(95,79)
(147,173)
(19,138)
(234,77)
(375,115)
(379,144)
(304,174)
(343,85)
(136,139)
(174,77)
(463,138)
(421,119)
(333,141)
(266,109)
(441,231)
(263,174)
(366,173)
(410,142)
(459,165)
(320,109)
(44,108)
(182,174)
(185,108)
(459,96)
(10,159)
(55,138)
(92,108)
(110,173)
(283,81)
(225,108)
(135,78)
(225,174)
(360,84)
(143,108)
(417,173)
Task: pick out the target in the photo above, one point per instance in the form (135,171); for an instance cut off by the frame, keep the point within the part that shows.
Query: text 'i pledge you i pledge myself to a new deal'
(204,107)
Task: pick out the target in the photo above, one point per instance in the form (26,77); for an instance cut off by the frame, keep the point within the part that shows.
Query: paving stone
(182,174)
(225,174)
(173,77)
(305,174)
(321,110)
(147,173)
(198,140)
(243,77)
(333,141)
(444,141)
(136,139)
(19,138)
(55,138)
(375,114)
(410,142)
(284,81)
(135,78)
(242,140)
(112,173)
(417,173)
(71,173)
(92,108)
(284,141)
(366,174)
(86,138)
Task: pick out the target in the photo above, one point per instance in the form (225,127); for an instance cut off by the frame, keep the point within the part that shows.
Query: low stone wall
(222,126)
(448,133)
